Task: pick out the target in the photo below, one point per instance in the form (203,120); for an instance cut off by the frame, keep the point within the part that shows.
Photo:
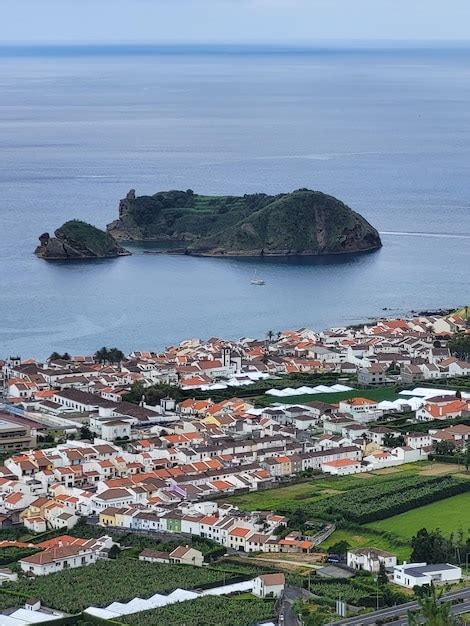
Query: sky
(231,21)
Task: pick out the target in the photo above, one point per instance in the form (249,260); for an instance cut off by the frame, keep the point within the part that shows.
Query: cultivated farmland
(121,580)
(215,610)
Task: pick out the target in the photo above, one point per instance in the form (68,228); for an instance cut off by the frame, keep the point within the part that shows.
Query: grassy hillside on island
(301,222)
(78,240)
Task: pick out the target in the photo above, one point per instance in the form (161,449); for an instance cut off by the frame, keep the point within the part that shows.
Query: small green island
(299,223)
(78,240)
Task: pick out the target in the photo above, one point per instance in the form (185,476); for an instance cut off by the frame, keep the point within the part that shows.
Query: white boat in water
(256,280)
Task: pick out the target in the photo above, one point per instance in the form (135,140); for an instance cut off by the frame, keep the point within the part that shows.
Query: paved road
(400,612)
(287,615)
(458,609)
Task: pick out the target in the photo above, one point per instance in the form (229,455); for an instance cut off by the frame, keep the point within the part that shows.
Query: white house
(418,440)
(269,585)
(372,375)
(57,559)
(341,467)
(62,557)
(37,524)
(369,559)
(361,409)
(187,556)
(115,429)
(418,574)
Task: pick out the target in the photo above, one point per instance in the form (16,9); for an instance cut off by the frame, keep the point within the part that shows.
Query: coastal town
(186,445)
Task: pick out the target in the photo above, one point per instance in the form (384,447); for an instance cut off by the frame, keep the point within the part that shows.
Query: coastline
(82,258)
(253,254)
(400,314)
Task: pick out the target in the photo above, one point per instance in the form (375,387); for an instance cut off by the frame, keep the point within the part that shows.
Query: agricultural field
(380,501)
(74,590)
(448,515)
(8,601)
(220,611)
(278,499)
(321,489)
(425,494)
(286,498)
(360,591)
(11,555)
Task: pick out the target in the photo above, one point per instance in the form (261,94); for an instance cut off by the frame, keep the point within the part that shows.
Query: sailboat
(256,280)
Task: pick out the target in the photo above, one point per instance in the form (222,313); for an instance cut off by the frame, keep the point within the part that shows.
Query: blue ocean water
(386,131)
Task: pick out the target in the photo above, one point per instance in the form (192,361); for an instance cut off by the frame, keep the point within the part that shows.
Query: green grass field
(357,539)
(449,515)
(382,393)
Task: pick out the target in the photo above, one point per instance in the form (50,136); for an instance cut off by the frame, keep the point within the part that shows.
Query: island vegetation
(303,222)
(78,240)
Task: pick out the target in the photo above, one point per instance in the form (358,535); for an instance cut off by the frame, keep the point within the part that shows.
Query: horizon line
(297,43)
(227,47)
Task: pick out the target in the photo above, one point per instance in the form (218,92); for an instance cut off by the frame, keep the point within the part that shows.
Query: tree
(429,547)
(265,357)
(339,548)
(444,448)
(153,394)
(297,518)
(85,432)
(460,347)
(393,368)
(432,609)
(270,335)
(392,441)
(382,578)
(466,458)
(114,551)
(57,356)
(115,355)
(108,355)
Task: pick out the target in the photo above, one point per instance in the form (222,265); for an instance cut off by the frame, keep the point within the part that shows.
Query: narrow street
(287,615)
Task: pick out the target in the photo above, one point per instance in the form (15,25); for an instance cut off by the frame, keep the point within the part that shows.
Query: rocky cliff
(302,222)
(78,240)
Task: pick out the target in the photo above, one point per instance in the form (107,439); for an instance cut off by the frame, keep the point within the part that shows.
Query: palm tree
(270,335)
(434,612)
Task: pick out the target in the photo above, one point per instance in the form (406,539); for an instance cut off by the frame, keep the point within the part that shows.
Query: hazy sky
(305,21)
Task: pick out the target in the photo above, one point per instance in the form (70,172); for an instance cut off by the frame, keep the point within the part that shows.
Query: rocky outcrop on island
(78,240)
(303,222)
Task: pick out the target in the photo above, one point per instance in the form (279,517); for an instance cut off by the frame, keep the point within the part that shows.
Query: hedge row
(369,504)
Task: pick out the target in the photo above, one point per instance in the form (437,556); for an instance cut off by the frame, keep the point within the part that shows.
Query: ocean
(386,131)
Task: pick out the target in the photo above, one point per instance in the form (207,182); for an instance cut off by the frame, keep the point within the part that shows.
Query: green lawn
(449,515)
(379,394)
